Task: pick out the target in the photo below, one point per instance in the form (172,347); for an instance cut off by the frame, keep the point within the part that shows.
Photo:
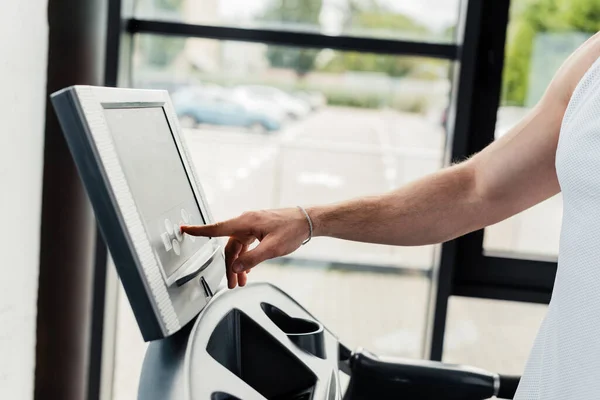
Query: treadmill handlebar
(508,386)
(392,378)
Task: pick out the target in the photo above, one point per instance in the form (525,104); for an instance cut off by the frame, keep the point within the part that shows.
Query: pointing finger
(225,228)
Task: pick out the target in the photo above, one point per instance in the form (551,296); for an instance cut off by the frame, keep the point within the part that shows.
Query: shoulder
(573,70)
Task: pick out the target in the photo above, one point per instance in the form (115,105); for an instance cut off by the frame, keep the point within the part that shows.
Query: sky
(435,14)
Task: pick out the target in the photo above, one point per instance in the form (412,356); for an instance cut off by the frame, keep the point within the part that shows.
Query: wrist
(316,216)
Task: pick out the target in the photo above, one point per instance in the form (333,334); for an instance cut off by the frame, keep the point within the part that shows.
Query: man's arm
(508,176)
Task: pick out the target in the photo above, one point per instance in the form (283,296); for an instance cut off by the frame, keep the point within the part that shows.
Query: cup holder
(304,333)
(251,353)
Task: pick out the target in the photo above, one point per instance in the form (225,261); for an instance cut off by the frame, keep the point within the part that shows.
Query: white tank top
(565,359)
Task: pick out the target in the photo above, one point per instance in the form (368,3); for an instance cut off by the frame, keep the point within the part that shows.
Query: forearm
(434,209)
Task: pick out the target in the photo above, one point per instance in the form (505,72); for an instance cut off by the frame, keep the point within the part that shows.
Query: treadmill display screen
(158,181)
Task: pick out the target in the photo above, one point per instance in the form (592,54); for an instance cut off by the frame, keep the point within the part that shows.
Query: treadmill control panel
(143,186)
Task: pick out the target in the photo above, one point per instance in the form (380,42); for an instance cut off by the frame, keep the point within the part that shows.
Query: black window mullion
(458,147)
(478,97)
(505,293)
(478,274)
(519,279)
(296,39)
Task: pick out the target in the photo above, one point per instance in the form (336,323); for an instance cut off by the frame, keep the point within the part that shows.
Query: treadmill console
(142,184)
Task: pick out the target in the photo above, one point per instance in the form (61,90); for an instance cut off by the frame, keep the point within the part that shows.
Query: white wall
(23,54)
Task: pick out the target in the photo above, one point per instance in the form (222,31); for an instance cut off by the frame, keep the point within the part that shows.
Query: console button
(176,247)
(166,241)
(185,216)
(169,227)
(178,233)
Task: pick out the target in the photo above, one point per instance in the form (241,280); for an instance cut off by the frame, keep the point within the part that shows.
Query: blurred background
(288,102)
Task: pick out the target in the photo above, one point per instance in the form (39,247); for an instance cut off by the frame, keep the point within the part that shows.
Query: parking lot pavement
(336,154)
(333,155)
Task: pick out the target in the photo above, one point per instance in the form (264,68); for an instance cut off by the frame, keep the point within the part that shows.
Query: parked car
(315,100)
(261,106)
(258,97)
(213,107)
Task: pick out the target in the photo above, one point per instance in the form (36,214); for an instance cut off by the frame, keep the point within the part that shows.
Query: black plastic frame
(464,269)
(294,38)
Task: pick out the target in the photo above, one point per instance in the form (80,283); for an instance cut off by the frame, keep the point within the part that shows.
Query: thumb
(266,250)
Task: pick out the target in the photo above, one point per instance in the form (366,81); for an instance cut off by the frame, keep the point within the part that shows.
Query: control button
(169,227)
(185,216)
(166,241)
(178,233)
(176,247)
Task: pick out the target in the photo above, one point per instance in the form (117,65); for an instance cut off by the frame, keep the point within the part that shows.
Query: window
(350,125)
(430,20)
(491,334)
(350,111)
(275,126)
(541,35)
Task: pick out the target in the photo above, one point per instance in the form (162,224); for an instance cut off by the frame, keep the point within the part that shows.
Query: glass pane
(491,334)
(425,20)
(532,233)
(541,35)
(275,126)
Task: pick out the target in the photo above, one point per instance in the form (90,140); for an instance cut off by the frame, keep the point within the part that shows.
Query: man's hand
(280,232)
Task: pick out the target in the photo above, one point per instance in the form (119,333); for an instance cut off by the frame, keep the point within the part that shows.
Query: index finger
(225,228)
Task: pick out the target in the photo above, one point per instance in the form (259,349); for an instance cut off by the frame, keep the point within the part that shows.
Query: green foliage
(362,15)
(300,60)
(530,18)
(357,100)
(362,62)
(383,21)
(376,100)
(516,64)
(300,12)
(170,4)
(583,15)
(449,33)
(160,51)
(293,11)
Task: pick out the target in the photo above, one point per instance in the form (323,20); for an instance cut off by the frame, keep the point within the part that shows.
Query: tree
(295,14)
(161,50)
(529,21)
(377,19)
